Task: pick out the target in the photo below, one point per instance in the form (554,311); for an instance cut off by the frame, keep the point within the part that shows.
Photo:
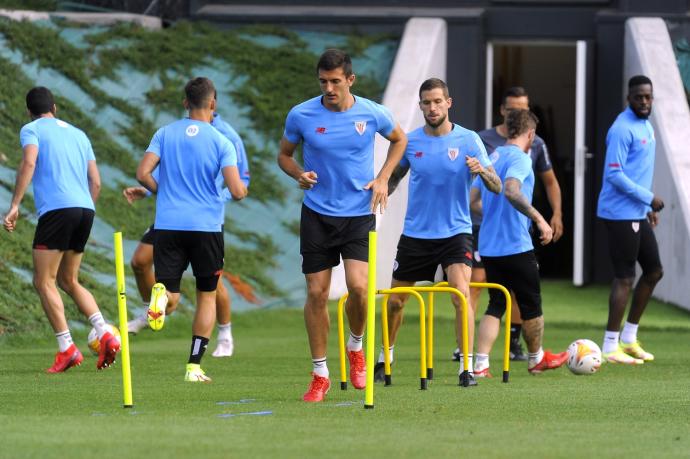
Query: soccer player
(443,158)
(629,210)
(516,98)
(341,196)
(506,247)
(142,259)
(60,160)
(189,210)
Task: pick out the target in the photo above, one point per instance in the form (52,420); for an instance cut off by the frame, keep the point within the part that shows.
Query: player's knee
(67,283)
(42,284)
(317,294)
(395,304)
(654,275)
(357,292)
(625,282)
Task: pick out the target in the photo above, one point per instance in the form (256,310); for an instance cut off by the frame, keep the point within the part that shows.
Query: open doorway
(547,70)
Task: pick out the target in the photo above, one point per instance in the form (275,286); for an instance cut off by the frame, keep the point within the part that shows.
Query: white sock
(98,323)
(225,332)
(481,362)
(534,358)
(354,343)
(469,363)
(610,342)
(629,334)
(64,340)
(390,353)
(320,367)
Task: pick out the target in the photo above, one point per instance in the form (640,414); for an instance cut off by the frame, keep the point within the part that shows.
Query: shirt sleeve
(28,136)
(156,142)
(520,168)
(90,156)
(477,150)
(618,143)
(384,120)
(292,130)
(227,152)
(242,162)
(543,161)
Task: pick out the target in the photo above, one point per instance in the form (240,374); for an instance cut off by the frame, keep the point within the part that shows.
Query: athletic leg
(225,346)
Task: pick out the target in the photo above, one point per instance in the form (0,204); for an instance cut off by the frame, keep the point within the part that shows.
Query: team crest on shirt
(192,130)
(636,226)
(360,127)
(453,153)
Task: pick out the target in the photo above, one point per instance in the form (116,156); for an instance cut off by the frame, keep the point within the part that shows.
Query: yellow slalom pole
(124,332)
(371,322)
(341,342)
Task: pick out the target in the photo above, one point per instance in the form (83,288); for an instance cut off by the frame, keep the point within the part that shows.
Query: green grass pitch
(618,412)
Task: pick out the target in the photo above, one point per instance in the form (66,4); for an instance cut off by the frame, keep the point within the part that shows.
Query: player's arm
(617,149)
(519,201)
(25,173)
(232,178)
(94,178)
(145,169)
(134,193)
(398,174)
(379,186)
(488,174)
(476,201)
(286,161)
(553,194)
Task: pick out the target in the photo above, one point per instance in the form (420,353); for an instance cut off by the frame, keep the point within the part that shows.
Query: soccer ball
(95,344)
(584,357)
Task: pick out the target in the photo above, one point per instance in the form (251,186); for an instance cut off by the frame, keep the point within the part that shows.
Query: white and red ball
(584,357)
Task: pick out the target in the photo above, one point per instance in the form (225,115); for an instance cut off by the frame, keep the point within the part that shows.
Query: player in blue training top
(142,258)
(190,154)
(341,196)
(629,210)
(443,158)
(516,98)
(66,185)
(505,246)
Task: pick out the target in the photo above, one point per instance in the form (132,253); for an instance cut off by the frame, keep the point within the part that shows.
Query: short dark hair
(514,91)
(332,59)
(39,100)
(433,83)
(520,121)
(638,80)
(198,91)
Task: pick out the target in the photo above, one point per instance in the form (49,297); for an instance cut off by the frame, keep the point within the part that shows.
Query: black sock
(515,330)
(199,344)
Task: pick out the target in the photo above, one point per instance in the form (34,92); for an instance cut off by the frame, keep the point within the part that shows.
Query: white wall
(648,51)
(421,55)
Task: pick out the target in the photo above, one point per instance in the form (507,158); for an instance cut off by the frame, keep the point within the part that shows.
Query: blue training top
(438,203)
(628,169)
(505,230)
(339,147)
(61,176)
(192,154)
(232,135)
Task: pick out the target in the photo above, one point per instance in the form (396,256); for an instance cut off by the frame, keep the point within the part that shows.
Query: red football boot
(108,349)
(358,369)
(66,360)
(318,388)
(549,362)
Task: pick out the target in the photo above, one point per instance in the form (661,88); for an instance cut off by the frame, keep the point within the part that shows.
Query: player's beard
(643,116)
(436,124)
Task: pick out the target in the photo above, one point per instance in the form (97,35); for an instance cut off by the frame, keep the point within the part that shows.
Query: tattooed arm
(397,175)
(488,174)
(519,201)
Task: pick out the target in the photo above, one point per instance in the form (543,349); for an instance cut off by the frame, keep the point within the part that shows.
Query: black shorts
(174,250)
(476,259)
(631,241)
(417,259)
(149,236)
(64,229)
(519,273)
(324,239)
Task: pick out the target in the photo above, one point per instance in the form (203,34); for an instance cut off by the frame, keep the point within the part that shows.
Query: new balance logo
(418,154)
(320,130)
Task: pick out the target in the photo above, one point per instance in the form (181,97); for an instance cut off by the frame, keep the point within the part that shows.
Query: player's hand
(657,204)
(307,180)
(379,194)
(545,232)
(474,165)
(134,193)
(10,220)
(557,226)
(653,218)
